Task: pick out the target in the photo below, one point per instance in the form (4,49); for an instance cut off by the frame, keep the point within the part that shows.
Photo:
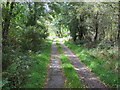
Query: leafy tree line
(23,31)
(91,22)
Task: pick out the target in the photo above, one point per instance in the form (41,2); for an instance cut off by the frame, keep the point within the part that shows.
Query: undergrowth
(29,69)
(38,70)
(103,63)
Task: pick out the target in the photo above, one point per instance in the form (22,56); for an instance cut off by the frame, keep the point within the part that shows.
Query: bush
(80,42)
(16,62)
(33,38)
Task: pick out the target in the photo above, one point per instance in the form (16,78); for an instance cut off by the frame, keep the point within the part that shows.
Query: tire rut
(87,77)
(55,74)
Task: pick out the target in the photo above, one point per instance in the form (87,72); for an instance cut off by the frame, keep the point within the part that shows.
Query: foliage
(17,72)
(28,67)
(37,73)
(89,21)
(24,32)
(103,63)
(32,38)
(26,26)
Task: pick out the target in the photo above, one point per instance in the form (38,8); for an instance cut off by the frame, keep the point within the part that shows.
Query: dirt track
(55,74)
(88,78)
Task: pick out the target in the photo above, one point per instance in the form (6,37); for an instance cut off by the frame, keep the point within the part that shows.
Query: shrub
(33,38)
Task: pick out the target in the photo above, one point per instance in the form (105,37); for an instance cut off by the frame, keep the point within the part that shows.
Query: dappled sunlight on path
(89,78)
(55,75)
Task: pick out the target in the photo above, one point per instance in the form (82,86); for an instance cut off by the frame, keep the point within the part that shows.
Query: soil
(86,76)
(55,74)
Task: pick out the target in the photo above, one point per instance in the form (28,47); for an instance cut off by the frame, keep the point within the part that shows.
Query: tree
(7,18)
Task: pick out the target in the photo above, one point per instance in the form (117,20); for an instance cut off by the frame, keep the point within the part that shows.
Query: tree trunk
(118,35)
(96,27)
(35,13)
(96,32)
(74,38)
(81,28)
(119,32)
(7,20)
(80,36)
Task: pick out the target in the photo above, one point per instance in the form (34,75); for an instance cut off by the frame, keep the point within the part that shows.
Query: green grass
(72,79)
(59,47)
(38,70)
(29,70)
(103,67)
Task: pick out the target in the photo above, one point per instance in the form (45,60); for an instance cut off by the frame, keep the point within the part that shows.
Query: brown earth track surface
(87,77)
(55,77)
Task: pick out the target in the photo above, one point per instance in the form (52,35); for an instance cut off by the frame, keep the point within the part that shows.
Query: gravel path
(88,78)
(55,74)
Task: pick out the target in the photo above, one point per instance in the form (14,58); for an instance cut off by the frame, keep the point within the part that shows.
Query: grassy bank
(100,61)
(38,70)
(29,68)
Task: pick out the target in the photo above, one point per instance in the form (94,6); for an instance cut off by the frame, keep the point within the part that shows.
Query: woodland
(89,29)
